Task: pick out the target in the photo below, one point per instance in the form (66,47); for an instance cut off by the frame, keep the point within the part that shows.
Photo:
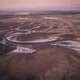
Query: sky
(39,4)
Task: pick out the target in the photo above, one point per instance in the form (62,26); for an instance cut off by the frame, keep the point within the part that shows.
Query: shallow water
(75,45)
(39,39)
(44,46)
(36,27)
(23,50)
(18,38)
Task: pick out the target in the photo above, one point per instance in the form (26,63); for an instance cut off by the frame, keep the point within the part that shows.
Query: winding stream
(37,33)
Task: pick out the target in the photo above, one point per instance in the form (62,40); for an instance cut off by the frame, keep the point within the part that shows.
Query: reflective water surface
(40,47)
(49,30)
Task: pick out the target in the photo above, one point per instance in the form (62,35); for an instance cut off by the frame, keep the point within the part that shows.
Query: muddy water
(45,30)
(42,38)
(43,57)
(53,46)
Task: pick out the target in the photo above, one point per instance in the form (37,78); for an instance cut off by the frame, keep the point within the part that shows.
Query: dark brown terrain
(52,59)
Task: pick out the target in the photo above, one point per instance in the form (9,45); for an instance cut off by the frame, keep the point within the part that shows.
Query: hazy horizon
(39,4)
